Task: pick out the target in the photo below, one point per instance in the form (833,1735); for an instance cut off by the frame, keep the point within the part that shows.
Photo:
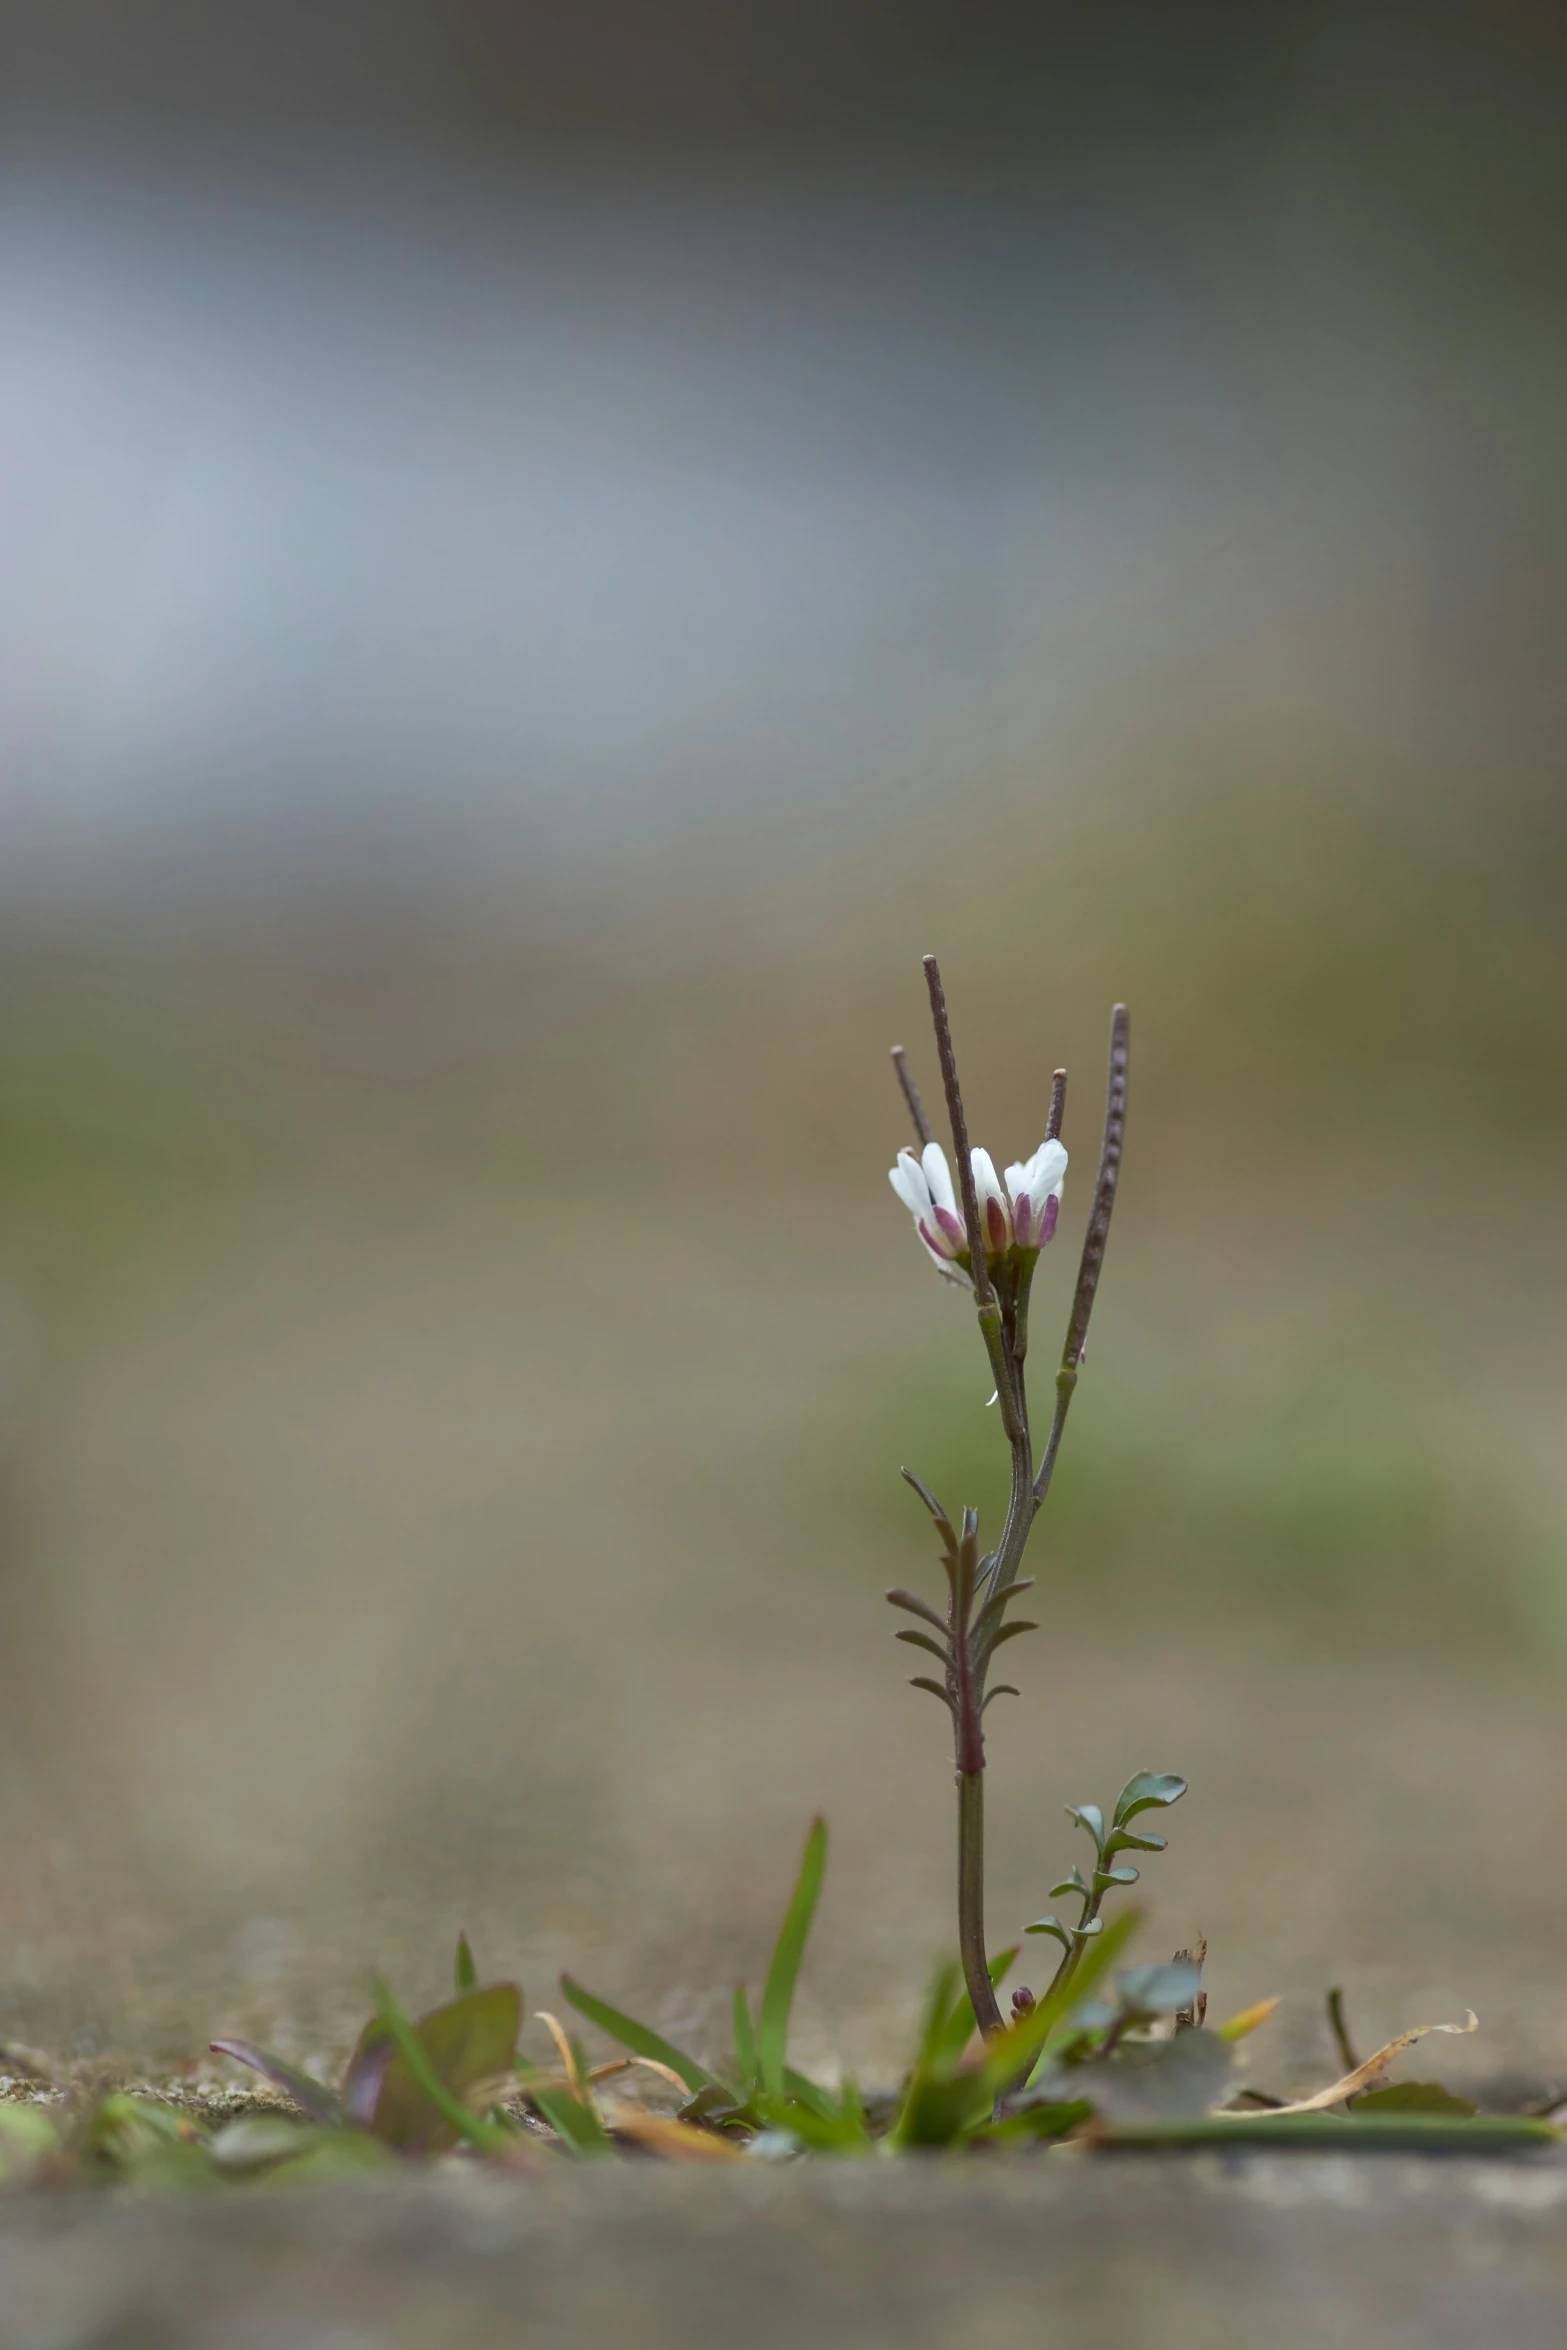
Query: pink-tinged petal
(934,1241)
(993,1202)
(1023,1219)
(952,1225)
(1048,1220)
(942,1262)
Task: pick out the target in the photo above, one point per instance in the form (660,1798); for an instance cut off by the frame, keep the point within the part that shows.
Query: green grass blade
(464,1970)
(827,2129)
(637,2037)
(745,2041)
(938,2100)
(772,2037)
(939,2012)
(804,2091)
(572,2118)
(1456,2133)
(489,2137)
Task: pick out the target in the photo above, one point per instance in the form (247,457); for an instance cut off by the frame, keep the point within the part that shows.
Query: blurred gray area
(1202,2254)
(511,644)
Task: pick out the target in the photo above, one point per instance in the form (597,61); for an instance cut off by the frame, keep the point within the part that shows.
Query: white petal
(1045,1172)
(910,1185)
(938,1175)
(986,1181)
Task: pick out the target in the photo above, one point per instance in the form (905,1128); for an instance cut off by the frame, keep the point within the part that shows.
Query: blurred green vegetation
(122,1131)
(1327,1493)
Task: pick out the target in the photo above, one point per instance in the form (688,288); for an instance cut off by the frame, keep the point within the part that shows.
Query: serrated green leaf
(778,1996)
(1051,1926)
(1089,1816)
(1075,1883)
(639,2038)
(1145,1791)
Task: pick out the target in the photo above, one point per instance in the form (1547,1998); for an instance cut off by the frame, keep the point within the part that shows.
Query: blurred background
(545,557)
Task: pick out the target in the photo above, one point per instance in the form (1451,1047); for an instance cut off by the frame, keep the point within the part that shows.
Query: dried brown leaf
(661,2134)
(1371,2074)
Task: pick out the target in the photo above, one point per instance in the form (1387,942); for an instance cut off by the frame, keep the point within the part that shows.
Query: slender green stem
(1004,1371)
(1066,1384)
(971,1902)
(1086,1916)
(1022,1509)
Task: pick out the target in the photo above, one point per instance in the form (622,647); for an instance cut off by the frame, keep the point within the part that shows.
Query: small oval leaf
(1128,1840)
(1146,1790)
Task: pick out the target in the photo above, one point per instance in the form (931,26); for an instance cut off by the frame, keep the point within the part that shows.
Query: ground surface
(431,1548)
(1303,2253)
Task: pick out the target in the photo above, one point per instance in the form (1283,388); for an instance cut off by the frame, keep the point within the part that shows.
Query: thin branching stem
(1091,1263)
(911,1094)
(986,1303)
(1098,1233)
(979,1270)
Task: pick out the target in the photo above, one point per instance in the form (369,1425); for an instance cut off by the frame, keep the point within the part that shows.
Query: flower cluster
(1019,1213)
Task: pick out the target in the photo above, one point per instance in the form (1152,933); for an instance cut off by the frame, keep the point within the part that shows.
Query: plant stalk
(971,1902)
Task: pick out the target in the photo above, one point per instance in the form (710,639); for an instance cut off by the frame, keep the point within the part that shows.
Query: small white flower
(924,1185)
(1020,1212)
(995,1214)
(1035,1190)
